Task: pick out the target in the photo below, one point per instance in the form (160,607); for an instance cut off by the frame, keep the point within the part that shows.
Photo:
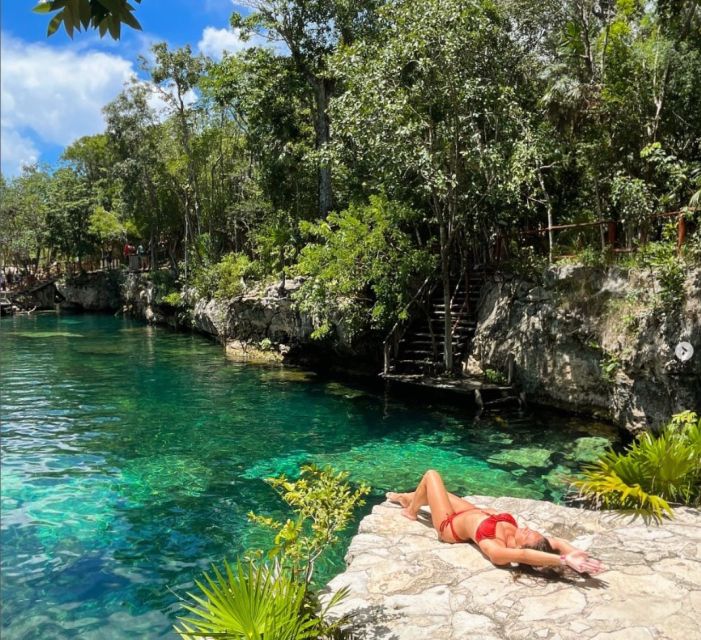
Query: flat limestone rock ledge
(406,585)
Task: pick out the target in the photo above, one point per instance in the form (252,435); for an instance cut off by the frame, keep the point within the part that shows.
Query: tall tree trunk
(187,235)
(323,88)
(152,250)
(445,278)
(549,208)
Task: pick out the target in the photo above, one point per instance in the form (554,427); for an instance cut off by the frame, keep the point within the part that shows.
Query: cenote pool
(131,456)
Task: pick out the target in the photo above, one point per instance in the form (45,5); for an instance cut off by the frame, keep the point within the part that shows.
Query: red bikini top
(488,527)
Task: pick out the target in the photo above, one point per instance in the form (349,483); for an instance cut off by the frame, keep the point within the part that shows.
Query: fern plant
(655,471)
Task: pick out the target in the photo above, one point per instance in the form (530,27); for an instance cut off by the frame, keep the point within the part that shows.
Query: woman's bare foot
(402,498)
(405,500)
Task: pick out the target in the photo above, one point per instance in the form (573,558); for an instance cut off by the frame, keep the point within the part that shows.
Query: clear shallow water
(131,456)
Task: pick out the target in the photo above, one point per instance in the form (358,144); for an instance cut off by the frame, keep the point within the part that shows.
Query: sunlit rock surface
(564,334)
(404,584)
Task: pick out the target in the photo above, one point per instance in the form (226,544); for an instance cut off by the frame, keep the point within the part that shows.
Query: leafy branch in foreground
(258,599)
(76,15)
(324,503)
(655,471)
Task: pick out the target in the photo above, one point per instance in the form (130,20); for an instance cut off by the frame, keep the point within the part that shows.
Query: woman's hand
(581,562)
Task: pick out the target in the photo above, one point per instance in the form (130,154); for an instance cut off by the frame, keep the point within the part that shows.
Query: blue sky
(53,89)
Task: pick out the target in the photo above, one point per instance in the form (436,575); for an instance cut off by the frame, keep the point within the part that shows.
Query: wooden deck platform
(483,394)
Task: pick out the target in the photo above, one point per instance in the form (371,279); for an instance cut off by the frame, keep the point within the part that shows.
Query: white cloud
(16,151)
(55,95)
(215,42)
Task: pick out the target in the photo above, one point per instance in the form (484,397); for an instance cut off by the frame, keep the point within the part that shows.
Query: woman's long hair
(544,572)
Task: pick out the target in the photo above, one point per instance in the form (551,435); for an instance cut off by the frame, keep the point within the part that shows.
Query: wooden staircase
(420,350)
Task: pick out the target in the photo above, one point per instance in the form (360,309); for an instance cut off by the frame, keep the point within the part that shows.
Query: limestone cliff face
(256,315)
(262,324)
(588,340)
(99,291)
(594,341)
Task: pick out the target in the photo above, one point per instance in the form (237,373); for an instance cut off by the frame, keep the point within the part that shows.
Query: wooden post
(612,234)
(681,232)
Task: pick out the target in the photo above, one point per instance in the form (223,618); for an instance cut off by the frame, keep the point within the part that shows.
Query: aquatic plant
(655,471)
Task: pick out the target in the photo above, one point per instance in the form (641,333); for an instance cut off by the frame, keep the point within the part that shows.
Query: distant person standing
(141,253)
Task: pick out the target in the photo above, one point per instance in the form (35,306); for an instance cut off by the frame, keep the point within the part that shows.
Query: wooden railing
(611,235)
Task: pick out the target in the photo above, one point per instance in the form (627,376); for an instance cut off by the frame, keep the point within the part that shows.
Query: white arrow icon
(684,351)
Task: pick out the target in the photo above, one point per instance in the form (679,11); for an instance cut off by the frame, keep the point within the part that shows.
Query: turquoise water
(131,456)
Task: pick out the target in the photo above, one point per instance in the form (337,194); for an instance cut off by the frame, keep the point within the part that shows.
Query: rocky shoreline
(406,585)
(585,340)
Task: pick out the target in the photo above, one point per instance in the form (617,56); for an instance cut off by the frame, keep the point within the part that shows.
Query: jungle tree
(425,103)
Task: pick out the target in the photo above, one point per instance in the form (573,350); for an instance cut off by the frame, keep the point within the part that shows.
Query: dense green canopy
(379,141)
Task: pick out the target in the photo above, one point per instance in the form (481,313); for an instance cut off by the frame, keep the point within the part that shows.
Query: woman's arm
(500,555)
(575,559)
(562,546)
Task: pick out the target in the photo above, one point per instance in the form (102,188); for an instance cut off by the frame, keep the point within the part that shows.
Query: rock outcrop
(594,341)
(262,324)
(406,585)
(95,291)
(256,315)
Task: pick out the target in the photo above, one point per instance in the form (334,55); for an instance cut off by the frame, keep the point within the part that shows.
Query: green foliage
(591,257)
(24,215)
(481,118)
(323,502)
(495,377)
(259,600)
(610,364)
(668,267)
(225,279)
(359,266)
(632,198)
(71,204)
(174,299)
(250,602)
(103,15)
(654,471)
(106,225)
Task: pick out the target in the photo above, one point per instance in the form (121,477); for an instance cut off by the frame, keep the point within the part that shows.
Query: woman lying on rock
(496,534)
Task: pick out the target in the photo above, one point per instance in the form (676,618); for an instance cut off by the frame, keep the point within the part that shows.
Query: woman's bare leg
(458,504)
(432,492)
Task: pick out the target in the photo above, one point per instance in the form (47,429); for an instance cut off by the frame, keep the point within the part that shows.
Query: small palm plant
(653,472)
(250,602)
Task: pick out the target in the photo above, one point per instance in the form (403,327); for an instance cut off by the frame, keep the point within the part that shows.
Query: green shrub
(225,279)
(610,363)
(174,299)
(262,599)
(323,502)
(662,258)
(652,472)
(360,267)
(495,377)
